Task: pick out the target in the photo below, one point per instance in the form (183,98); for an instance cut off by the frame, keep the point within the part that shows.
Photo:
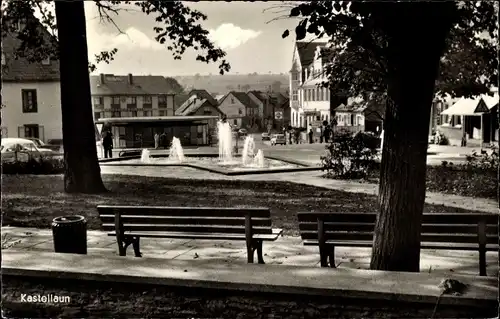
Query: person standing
(311,136)
(157,140)
(107,143)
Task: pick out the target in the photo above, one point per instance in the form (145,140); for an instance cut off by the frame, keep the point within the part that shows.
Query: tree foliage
(358,46)
(178,28)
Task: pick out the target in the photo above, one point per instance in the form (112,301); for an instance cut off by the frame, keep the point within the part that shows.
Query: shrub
(441,139)
(39,166)
(483,161)
(349,156)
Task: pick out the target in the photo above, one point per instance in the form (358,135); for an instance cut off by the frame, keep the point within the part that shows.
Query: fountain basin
(212,163)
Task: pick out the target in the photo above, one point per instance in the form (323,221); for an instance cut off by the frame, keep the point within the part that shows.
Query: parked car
(38,142)
(266,136)
(278,139)
(21,149)
(55,144)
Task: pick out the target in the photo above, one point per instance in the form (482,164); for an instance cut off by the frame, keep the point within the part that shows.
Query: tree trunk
(82,172)
(416,37)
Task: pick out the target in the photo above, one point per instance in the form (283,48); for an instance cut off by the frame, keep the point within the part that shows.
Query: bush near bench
(40,166)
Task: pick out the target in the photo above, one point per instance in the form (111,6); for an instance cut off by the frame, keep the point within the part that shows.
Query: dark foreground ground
(111,300)
(34,200)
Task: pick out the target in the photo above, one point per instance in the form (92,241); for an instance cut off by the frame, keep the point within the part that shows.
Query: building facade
(239,109)
(131,96)
(31,99)
(309,103)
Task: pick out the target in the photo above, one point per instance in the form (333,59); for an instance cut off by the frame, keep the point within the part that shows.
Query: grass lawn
(34,200)
(450,180)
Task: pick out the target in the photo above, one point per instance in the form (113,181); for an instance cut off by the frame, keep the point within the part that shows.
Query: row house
(240,110)
(273,109)
(31,99)
(309,104)
(200,103)
(131,96)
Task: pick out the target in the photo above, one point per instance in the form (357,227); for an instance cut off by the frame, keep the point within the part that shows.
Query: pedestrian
(157,140)
(311,136)
(163,140)
(327,134)
(107,143)
(290,137)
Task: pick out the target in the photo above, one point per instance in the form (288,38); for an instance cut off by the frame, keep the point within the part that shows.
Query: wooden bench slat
(189,228)
(426,228)
(186,220)
(276,232)
(184,211)
(424,245)
(427,218)
(431,237)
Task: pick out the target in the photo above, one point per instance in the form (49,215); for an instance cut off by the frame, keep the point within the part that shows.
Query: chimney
(130,79)
(102,76)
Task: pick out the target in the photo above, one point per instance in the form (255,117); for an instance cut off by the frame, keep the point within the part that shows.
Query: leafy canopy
(178,28)
(358,33)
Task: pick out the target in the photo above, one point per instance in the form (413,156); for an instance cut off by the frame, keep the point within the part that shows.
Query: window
(235,122)
(133,113)
(162,113)
(3,59)
(240,111)
(147,99)
(97,115)
(232,100)
(32,130)
(132,100)
(295,76)
(162,101)
(29,101)
(321,97)
(318,118)
(295,95)
(115,114)
(98,100)
(148,113)
(353,119)
(46,61)
(313,94)
(327,92)
(115,101)
(207,110)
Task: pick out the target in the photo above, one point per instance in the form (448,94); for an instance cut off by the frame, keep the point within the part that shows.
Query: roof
(244,99)
(219,97)
(472,106)
(154,119)
(205,95)
(276,98)
(307,50)
(20,69)
(119,85)
(15,140)
(191,105)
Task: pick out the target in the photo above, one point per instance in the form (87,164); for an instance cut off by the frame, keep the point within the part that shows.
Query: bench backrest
(186,219)
(443,227)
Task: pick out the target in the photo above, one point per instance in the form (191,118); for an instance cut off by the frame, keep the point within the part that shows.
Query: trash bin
(70,234)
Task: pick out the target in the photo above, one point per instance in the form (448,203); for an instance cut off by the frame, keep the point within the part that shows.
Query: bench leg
(122,249)
(331,256)
(323,256)
(258,245)
(250,252)
(135,245)
(482,261)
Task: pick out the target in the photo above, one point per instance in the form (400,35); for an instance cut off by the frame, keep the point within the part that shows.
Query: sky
(244,30)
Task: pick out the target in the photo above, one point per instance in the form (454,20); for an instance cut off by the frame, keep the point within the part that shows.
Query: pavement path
(286,250)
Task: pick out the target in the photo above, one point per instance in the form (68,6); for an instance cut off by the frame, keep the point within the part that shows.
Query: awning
(471,106)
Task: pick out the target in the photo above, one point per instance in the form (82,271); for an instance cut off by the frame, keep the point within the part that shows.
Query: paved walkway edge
(346,283)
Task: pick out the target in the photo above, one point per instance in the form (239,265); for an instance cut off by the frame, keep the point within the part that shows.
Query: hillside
(221,84)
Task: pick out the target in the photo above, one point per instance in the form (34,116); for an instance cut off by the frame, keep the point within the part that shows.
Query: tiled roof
(205,95)
(190,106)
(20,69)
(119,85)
(307,51)
(244,99)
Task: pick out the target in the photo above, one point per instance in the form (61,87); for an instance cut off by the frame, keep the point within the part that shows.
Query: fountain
(176,153)
(259,159)
(248,151)
(146,156)
(225,136)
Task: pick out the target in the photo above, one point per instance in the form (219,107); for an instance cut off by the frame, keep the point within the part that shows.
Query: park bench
(130,223)
(445,231)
